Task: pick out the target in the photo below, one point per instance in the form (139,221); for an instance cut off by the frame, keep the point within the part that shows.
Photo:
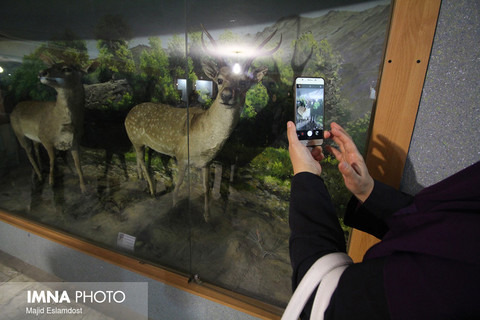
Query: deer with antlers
(54,124)
(195,136)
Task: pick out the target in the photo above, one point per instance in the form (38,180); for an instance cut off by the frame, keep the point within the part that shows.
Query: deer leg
(36,146)
(139,150)
(23,142)
(206,188)
(76,160)
(51,157)
(108,161)
(123,163)
(182,168)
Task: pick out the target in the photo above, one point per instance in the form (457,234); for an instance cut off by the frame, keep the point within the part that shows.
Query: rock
(99,94)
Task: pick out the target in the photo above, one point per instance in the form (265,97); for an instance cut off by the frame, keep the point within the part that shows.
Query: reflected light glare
(236,68)
(1,70)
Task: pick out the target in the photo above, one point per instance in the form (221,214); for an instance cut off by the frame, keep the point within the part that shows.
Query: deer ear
(210,68)
(259,73)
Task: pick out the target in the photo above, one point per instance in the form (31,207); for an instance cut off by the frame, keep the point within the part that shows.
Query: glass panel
(130,63)
(235,89)
(244,244)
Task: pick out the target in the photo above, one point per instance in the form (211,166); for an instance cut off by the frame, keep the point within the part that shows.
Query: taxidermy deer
(195,136)
(54,124)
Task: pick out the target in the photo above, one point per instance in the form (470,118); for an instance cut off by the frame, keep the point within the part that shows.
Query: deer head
(64,75)
(234,83)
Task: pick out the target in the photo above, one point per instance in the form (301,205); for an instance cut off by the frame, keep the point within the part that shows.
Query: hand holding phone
(310,110)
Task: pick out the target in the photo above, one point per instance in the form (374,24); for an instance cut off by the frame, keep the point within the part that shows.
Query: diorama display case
(144,98)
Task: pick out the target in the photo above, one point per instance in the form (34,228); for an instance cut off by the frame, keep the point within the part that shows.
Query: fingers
(342,138)
(347,171)
(303,159)
(338,155)
(327,134)
(291,133)
(317,153)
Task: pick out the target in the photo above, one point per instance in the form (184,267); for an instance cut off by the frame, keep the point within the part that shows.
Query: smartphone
(310,110)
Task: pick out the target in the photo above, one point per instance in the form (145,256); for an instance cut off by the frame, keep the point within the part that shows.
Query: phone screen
(309,108)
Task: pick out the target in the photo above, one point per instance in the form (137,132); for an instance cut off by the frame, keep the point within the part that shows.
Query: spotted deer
(54,124)
(195,137)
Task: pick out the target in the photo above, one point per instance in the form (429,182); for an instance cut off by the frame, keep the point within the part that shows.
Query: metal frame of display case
(407,52)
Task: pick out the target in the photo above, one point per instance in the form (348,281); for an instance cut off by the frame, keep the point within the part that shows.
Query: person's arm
(315,229)
(373,201)
(352,165)
(370,215)
(314,226)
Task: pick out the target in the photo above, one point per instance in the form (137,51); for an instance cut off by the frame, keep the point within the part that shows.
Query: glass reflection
(208,108)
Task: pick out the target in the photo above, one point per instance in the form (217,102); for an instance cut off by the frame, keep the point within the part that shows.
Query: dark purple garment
(432,270)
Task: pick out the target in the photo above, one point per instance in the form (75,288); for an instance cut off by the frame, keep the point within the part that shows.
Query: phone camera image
(309,108)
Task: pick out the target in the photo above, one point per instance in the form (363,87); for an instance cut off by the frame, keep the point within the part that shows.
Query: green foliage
(176,58)
(325,63)
(123,105)
(115,58)
(358,130)
(228,37)
(155,72)
(196,53)
(24,83)
(285,70)
(67,48)
(273,162)
(248,112)
(256,99)
(112,34)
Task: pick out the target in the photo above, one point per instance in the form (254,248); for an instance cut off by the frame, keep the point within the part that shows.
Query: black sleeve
(381,204)
(360,293)
(315,229)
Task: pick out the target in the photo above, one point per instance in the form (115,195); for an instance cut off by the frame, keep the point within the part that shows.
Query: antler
(214,45)
(249,61)
(298,67)
(264,53)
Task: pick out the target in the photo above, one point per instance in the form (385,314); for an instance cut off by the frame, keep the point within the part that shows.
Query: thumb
(291,132)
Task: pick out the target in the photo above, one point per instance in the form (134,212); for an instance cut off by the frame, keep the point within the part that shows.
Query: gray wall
(446,137)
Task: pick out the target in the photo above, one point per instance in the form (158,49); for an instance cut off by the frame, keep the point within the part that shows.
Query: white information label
(126,241)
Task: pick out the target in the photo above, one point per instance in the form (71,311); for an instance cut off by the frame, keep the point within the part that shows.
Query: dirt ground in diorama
(243,246)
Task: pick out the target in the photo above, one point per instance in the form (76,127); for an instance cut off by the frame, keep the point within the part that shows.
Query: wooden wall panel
(409,44)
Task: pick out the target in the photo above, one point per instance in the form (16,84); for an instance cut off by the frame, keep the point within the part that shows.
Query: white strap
(321,268)
(324,293)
